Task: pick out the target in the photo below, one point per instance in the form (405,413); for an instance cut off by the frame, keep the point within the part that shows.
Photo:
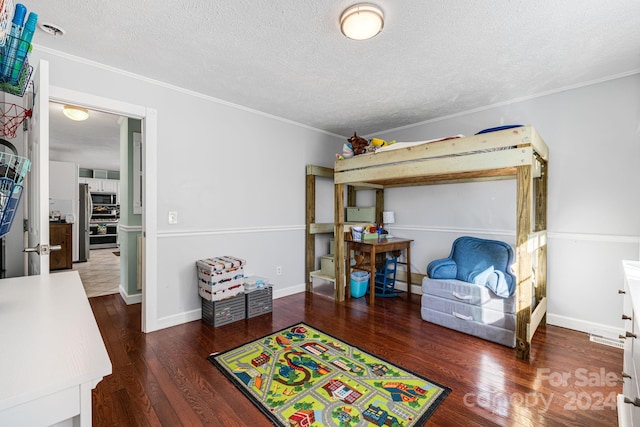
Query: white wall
(593,205)
(235,177)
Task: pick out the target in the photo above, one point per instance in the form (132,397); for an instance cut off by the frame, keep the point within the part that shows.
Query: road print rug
(301,376)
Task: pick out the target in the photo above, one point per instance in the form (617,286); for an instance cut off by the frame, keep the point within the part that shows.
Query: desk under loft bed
(517,153)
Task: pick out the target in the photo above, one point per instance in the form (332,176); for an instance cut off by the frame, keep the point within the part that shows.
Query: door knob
(43,249)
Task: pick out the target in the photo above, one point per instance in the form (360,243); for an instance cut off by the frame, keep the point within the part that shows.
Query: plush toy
(358,143)
(377,142)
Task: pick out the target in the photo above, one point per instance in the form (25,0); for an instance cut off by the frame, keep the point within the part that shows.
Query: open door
(37,140)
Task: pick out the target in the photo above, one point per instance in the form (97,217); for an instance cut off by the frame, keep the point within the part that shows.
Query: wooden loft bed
(517,153)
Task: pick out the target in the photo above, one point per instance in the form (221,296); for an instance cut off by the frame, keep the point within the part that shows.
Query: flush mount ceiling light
(75,113)
(361,21)
(52,29)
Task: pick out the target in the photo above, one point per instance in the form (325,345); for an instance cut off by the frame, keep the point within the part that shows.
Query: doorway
(88,142)
(148,120)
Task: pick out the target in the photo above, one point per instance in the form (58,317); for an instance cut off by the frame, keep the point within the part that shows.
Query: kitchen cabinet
(98,185)
(61,234)
(101,185)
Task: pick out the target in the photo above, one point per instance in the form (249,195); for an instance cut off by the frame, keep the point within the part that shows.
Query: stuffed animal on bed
(359,144)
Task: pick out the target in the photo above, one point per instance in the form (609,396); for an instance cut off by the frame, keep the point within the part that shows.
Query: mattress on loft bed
(469,308)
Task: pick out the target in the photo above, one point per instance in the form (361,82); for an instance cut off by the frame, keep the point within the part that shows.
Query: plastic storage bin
(218,313)
(220,277)
(259,301)
(359,283)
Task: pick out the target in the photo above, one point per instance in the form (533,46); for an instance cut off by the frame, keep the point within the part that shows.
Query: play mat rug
(301,376)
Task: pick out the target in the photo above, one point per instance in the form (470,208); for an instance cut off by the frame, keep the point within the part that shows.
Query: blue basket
(359,283)
(13,169)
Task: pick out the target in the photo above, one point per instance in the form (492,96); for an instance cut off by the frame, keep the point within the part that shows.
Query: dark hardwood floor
(164,379)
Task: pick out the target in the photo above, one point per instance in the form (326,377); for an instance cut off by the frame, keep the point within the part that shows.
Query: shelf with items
(313,228)
(13,169)
(15,71)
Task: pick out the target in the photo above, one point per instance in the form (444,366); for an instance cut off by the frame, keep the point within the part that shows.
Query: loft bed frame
(313,174)
(516,153)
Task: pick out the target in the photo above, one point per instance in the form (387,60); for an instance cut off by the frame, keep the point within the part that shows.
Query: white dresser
(629,400)
(52,352)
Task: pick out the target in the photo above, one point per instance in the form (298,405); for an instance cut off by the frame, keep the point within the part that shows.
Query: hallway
(100,275)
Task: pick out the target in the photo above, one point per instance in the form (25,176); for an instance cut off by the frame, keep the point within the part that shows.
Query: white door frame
(148,116)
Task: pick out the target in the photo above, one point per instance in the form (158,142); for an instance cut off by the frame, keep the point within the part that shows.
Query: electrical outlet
(173,217)
(278,271)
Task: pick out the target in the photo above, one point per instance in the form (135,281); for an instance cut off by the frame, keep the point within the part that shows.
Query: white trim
(605,238)
(218,231)
(290,290)
(177,89)
(586,237)
(191,315)
(130,299)
(584,326)
(179,319)
(93,102)
(130,228)
(150,222)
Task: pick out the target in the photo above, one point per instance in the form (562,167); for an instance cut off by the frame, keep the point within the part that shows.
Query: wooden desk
(373,247)
(52,351)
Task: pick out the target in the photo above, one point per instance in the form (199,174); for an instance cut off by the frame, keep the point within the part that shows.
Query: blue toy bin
(359,283)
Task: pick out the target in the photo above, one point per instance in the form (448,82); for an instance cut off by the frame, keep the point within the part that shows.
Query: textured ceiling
(92,144)
(288,58)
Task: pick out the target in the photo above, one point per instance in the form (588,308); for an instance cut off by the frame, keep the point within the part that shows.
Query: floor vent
(612,342)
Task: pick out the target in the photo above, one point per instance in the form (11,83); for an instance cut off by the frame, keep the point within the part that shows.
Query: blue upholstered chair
(480,261)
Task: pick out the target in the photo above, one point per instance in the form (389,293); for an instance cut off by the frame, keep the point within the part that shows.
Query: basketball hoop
(11,116)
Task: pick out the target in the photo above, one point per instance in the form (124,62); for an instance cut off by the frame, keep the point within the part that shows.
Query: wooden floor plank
(163,378)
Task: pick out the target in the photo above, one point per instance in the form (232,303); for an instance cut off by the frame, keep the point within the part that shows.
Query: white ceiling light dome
(361,21)
(75,113)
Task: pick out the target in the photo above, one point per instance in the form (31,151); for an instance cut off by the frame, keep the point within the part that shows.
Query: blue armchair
(480,261)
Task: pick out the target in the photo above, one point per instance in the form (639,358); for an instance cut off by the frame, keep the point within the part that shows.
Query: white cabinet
(110,185)
(629,401)
(101,185)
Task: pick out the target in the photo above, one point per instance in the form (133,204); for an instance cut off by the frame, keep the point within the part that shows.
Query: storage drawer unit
(327,265)
(363,214)
(259,301)
(218,313)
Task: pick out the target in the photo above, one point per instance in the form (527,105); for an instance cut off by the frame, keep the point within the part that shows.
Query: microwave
(104,198)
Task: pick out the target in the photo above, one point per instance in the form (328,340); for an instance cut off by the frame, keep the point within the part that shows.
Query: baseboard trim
(584,326)
(130,299)
(196,314)
(291,290)
(179,319)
